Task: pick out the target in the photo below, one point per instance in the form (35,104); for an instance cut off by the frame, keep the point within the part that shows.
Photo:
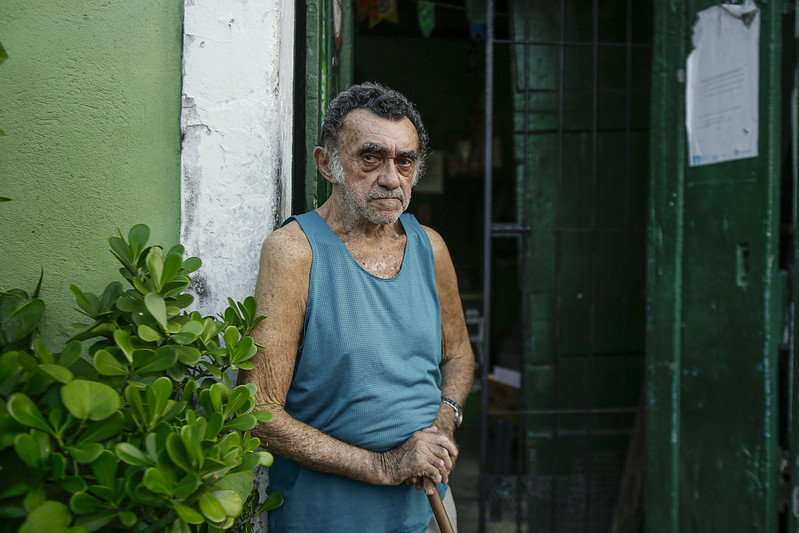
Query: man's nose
(390,177)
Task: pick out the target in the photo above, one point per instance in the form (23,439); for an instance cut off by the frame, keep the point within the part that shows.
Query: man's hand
(427,455)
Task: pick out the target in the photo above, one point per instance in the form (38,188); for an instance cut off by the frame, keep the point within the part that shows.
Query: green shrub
(134,425)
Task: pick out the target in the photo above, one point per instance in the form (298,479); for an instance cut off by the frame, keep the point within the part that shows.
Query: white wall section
(236,124)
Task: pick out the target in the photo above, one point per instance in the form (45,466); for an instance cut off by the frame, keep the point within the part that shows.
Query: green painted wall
(90,107)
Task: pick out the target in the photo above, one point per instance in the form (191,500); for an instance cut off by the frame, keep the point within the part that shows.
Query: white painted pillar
(236,123)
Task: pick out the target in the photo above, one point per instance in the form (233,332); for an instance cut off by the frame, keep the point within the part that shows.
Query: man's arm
(282,294)
(457,358)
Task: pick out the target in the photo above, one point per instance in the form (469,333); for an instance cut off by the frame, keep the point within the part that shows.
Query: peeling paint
(236,127)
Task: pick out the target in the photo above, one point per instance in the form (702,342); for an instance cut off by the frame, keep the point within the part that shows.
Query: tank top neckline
(406,250)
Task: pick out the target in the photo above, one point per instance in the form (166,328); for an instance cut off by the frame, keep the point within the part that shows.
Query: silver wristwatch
(455,407)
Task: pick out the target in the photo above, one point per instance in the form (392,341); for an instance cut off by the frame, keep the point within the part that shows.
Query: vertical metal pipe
(521,241)
(628,91)
(487,218)
(554,514)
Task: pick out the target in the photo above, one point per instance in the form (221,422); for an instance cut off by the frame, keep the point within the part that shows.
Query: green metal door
(324,68)
(717,408)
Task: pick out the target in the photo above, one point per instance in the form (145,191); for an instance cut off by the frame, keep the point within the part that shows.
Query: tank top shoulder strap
(314,227)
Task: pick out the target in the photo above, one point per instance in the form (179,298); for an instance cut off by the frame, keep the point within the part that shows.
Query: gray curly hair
(381,101)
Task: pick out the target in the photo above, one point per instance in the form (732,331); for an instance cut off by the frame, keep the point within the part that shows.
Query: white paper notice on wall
(721,93)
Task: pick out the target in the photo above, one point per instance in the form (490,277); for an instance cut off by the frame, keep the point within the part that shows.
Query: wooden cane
(439,512)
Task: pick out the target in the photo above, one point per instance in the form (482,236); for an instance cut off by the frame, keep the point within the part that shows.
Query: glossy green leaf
(73,484)
(24,411)
(9,370)
(231,337)
(191,264)
(89,399)
(188,355)
(108,365)
(155,482)
(182,301)
(89,303)
(132,455)
(34,499)
(104,469)
(137,239)
(85,453)
(56,372)
(133,397)
(176,450)
(58,465)
(92,522)
(85,503)
(250,444)
(21,323)
(215,396)
(238,399)
(273,501)
(44,354)
(110,296)
(191,437)
(105,429)
(157,308)
(50,517)
(127,518)
(120,251)
(122,338)
(232,441)
(212,508)
(155,361)
(70,354)
(248,463)
(172,265)
(242,423)
(262,416)
(148,334)
(266,458)
(155,264)
(184,337)
(245,350)
(162,387)
(128,304)
(187,514)
(239,482)
(215,423)
(187,485)
(230,500)
(27,450)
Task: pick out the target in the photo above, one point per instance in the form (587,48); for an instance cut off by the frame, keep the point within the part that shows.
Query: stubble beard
(364,212)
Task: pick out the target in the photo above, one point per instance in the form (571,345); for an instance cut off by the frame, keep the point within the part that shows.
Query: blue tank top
(367,373)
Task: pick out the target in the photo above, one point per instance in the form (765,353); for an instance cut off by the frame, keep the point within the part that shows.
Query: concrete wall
(236,123)
(90,105)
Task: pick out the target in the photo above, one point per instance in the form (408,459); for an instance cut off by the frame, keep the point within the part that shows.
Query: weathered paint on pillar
(237,138)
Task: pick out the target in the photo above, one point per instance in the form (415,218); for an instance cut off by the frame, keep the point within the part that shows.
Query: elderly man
(365,356)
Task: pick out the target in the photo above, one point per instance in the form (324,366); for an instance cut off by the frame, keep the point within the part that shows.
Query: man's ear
(322,163)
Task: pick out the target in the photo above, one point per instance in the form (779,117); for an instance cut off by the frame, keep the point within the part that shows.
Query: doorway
(557,220)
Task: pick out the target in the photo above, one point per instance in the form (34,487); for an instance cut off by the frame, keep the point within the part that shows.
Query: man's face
(375,167)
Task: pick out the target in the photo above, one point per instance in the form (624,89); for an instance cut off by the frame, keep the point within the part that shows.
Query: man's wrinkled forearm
(310,448)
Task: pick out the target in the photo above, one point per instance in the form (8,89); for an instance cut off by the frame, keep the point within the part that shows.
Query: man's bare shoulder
(436,240)
(286,248)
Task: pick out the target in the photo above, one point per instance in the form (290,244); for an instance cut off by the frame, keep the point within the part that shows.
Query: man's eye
(405,162)
(370,158)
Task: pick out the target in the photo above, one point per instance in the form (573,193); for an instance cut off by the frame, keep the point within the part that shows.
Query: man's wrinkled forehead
(362,128)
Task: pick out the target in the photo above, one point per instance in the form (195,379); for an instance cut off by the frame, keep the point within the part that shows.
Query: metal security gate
(561,399)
